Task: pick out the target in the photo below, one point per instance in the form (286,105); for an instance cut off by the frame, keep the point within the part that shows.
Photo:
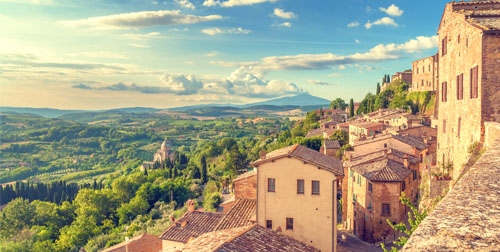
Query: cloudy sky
(102,54)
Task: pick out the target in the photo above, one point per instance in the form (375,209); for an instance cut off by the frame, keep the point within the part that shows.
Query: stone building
(375,183)
(425,74)
(297,194)
(469,76)
(362,130)
(164,153)
(405,76)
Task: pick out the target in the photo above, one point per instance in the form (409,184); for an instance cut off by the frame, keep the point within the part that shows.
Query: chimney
(426,140)
(385,153)
(190,207)
(262,154)
(405,160)
(415,151)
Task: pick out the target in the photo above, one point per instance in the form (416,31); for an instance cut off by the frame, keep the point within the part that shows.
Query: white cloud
(283,14)
(212,54)
(103,55)
(142,36)
(392,10)
(387,21)
(232,3)
(181,84)
(381,52)
(138,45)
(357,41)
(141,19)
(285,24)
(215,31)
(36,2)
(185,4)
(318,83)
(353,24)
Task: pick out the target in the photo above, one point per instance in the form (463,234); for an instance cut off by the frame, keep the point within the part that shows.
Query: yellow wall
(314,216)
(171,245)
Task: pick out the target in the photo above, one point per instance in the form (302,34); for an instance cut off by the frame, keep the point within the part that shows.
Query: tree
(341,136)
(415,217)
(18,214)
(204,176)
(378,89)
(351,108)
(338,104)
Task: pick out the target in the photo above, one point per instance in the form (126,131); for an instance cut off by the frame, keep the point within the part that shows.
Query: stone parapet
(468,218)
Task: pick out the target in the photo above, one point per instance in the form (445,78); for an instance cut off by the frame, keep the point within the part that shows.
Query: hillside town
(299,199)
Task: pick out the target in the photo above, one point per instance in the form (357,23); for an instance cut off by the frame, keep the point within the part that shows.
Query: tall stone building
(425,74)
(469,76)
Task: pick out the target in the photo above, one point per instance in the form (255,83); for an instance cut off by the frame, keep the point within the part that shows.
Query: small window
(444,90)
(300,186)
(458,126)
(414,174)
(443,46)
(315,187)
(269,224)
(460,87)
(444,125)
(370,187)
(289,223)
(474,79)
(386,209)
(458,39)
(359,180)
(403,186)
(271,184)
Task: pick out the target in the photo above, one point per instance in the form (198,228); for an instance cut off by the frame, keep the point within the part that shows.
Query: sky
(105,54)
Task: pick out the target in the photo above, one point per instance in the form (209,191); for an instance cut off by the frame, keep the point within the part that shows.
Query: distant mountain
(304,99)
(45,112)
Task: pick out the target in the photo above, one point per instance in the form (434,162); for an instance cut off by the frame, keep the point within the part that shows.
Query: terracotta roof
(246,175)
(254,238)
(241,214)
(141,243)
(332,144)
(192,224)
(412,141)
(382,170)
(367,125)
(366,158)
(307,155)
(320,131)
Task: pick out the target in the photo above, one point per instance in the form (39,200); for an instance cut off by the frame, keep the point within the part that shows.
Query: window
(269,224)
(386,209)
(271,184)
(403,186)
(370,187)
(444,91)
(458,39)
(359,180)
(458,127)
(315,187)
(300,186)
(474,82)
(460,87)
(289,223)
(444,126)
(414,174)
(443,46)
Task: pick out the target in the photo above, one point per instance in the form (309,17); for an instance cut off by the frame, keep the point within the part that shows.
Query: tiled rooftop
(192,224)
(307,155)
(382,170)
(412,141)
(241,214)
(254,238)
(356,160)
(332,144)
(141,243)
(246,175)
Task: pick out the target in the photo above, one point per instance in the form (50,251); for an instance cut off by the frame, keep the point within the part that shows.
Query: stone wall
(468,217)
(492,133)
(460,119)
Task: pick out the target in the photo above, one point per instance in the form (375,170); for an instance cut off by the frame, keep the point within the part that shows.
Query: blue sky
(96,54)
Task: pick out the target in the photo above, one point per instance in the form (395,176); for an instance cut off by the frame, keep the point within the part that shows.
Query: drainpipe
(334,214)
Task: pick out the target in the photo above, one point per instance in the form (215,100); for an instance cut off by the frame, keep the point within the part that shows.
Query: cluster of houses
(290,200)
